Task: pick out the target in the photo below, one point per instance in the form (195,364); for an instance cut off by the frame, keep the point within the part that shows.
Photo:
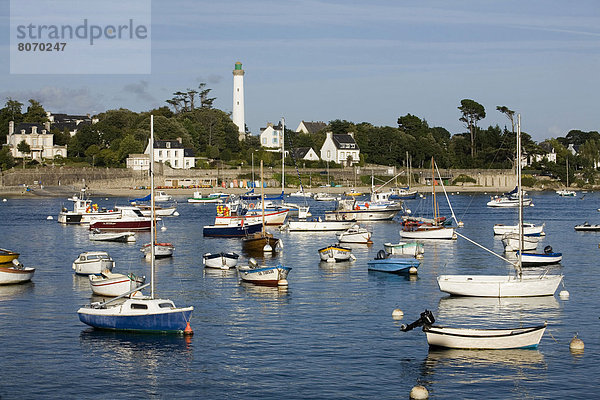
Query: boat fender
(548,249)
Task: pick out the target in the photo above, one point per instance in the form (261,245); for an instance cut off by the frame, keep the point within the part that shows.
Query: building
(341,149)
(549,155)
(167,151)
(72,123)
(39,139)
(238,100)
(305,153)
(138,162)
(310,127)
(271,137)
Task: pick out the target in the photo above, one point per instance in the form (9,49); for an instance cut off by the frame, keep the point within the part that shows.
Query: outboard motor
(548,249)
(425,319)
(252,263)
(381,255)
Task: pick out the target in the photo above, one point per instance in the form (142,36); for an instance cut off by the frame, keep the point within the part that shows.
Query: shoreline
(93,190)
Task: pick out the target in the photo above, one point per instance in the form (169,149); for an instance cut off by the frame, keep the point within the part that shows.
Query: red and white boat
(84,211)
(15,272)
(131,219)
(110,284)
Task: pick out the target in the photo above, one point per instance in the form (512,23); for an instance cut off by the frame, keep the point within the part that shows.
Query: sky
(362,61)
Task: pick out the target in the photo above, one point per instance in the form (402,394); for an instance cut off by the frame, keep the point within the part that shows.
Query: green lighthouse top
(238,65)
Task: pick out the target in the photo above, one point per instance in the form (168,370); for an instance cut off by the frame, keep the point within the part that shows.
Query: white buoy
(4,200)
(397,314)
(419,393)
(352,257)
(408,211)
(412,270)
(576,344)
(176,214)
(267,248)
(564,294)
(49,217)
(163,228)
(282,282)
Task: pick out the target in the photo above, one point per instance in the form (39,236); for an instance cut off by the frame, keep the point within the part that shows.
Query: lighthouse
(238,100)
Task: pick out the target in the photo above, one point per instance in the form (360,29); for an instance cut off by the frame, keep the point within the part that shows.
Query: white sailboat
(566,192)
(138,312)
(517,285)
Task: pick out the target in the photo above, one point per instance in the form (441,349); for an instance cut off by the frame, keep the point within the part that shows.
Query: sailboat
(405,193)
(161,249)
(435,230)
(566,192)
(517,285)
(139,312)
(261,241)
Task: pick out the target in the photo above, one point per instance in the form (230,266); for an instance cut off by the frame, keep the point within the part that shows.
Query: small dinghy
(98,235)
(262,274)
(220,260)
(480,339)
(586,226)
(336,253)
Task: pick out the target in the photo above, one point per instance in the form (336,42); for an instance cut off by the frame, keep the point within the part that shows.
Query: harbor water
(328,335)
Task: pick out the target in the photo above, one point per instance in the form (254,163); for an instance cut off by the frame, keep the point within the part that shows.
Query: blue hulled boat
(386,262)
(234,229)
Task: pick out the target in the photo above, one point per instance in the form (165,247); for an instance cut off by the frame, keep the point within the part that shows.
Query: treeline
(190,115)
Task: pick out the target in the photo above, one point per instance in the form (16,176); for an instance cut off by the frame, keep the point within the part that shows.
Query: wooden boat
(7,256)
(220,260)
(355,234)
(14,272)
(529,229)
(336,253)
(405,248)
(427,232)
(139,312)
(586,226)
(263,275)
(98,235)
(480,339)
(131,219)
(262,241)
(518,285)
(110,284)
(93,263)
(386,262)
(236,229)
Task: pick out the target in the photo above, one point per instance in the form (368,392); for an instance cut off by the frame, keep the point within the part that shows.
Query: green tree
(472,112)
(10,112)
(6,159)
(509,114)
(35,113)
(24,149)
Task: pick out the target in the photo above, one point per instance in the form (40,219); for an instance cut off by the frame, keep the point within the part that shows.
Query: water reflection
(273,292)
(457,358)
(8,292)
(332,270)
(81,283)
(219,273)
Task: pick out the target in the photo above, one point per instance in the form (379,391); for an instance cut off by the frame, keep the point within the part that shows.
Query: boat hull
(271,218)
(335,253)
(121,318)
(220,260)
(268,276)
(258,241)
(7,256)
(307,226)
(532,259)
(394,265)
(231,231)
(116,225)
(490,339)
(424,232)
(10,274)
(113,285)
(122,237)
(528,229)
(499,285)
(511,242)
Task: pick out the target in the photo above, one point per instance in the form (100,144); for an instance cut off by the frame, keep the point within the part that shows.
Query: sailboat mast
(435,210)
(262,196)
(282,154)
(152,227)
(519,262)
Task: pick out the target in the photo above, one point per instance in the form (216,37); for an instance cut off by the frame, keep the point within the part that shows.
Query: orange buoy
(188,329)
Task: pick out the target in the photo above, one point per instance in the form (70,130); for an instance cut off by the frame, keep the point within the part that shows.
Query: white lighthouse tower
(238,100)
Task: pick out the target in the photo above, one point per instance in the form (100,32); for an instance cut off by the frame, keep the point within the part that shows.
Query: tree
(6,159)
(24,148)
(509,114)
(35,113)
(10,112)
(471,113)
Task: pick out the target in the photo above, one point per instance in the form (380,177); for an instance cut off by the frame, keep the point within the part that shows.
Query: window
(138,306)
(328,153)
(159,153)
(168,145)
(176,163)
(274,140)
(166,305)
(341,155)
(264,141)
(168,154)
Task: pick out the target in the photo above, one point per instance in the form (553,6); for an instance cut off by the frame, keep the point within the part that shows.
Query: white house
(39,139)
(72,123)
(310,127)
(341,149)
(550,154)
(271,136)
(305,153)
(173,152)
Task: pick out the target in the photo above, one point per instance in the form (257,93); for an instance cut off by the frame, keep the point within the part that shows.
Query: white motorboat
(336,253)
(220,260)
(414,249)
(318,224)
(473,338)
(322,196)
(14,272)
(162,196)
(529,229)
(511,242)
(301,193)
(110,284)
(98,235)
(146,210)
(355,234)
(262,274)
(93,263)
(586,226)
(84,211)
(545,258)
(566,193)
(508,201)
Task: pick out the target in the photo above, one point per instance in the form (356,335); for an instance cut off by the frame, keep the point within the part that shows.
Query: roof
(314,127)
(344,141)
(27,127)
(301,152)
(162,144)
(188,152)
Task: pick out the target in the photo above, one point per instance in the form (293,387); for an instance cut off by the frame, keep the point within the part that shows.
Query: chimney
(329,135)
(269,124)
(47,125)
(11,127)
(34,129)
(351,134)
(179,140)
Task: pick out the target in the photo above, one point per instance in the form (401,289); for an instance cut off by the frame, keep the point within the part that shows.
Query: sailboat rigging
(138,312)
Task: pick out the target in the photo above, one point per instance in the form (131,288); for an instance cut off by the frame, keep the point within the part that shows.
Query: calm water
(329,335)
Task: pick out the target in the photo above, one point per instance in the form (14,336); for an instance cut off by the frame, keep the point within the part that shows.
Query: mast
(152,227)
(282,154)
(519,261)
(435,209)
(262,197)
